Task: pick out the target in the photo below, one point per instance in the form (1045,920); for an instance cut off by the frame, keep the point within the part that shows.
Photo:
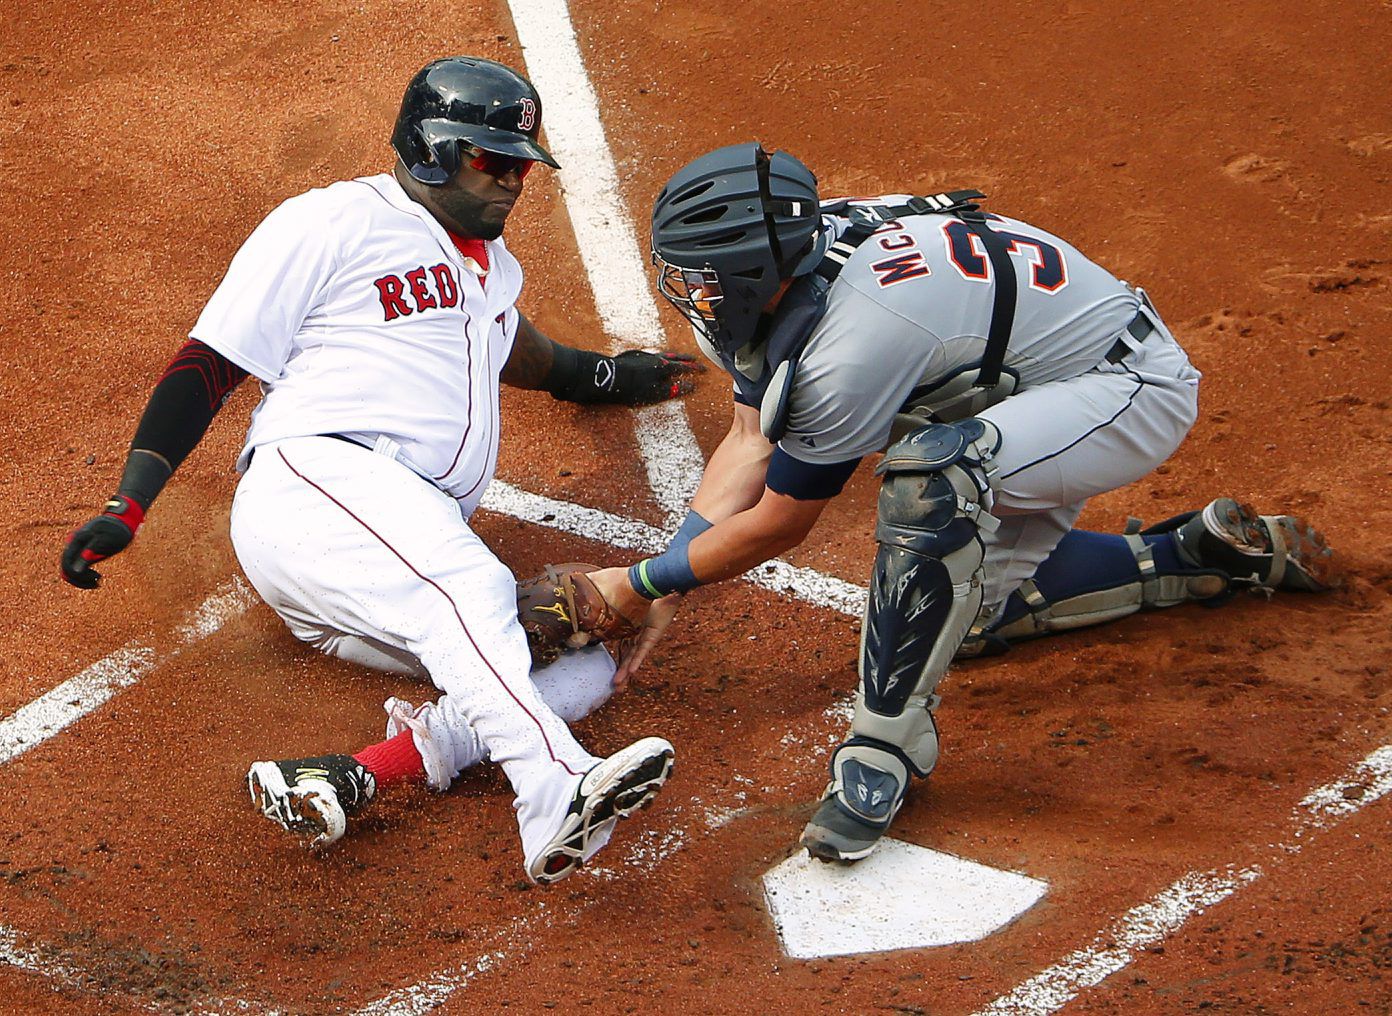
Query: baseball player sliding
(1011,379)
(378,315)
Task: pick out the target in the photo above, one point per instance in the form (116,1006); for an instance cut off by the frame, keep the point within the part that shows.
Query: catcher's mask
(468,109)
(727,230)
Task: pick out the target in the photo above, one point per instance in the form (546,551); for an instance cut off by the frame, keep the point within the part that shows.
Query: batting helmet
(727,230)
(471,101)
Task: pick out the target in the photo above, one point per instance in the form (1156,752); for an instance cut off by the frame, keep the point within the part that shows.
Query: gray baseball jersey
(907,321)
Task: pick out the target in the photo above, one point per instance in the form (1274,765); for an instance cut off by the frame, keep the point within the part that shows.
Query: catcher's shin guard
(926,588)
(924,594)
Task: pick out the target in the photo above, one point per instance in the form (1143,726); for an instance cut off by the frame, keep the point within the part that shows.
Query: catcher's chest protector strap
(963,205)
(804,305)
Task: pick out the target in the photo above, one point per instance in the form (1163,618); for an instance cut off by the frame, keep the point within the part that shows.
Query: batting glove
(97,539)
(634,378)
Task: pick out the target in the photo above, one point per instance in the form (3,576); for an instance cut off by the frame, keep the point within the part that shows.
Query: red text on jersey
(416,293)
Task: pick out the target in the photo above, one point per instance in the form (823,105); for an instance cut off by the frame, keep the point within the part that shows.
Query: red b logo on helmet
(527,120)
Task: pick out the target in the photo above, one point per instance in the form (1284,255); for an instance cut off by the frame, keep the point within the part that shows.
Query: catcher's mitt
(562,608)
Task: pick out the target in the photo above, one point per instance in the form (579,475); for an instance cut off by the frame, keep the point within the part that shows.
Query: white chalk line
(36,722)
(614,261)
(816,588)
(13,953)
(589,180)
(592,195)
(672,456)
(1150,923)
(628,313)
(50,713)
(673,463)
(512,941)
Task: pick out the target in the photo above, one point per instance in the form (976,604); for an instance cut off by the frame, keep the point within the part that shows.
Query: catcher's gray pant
(337,538)
(1059,444)
(1066,441)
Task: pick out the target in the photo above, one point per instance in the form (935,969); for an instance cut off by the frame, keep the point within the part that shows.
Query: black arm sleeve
(186,398)
(194,386)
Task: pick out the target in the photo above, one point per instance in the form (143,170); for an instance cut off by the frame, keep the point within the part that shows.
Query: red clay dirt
(1235,163)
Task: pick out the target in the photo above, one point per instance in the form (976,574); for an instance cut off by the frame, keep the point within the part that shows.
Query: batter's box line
(51,713)
(814,587)
(87,691)
(1147,925)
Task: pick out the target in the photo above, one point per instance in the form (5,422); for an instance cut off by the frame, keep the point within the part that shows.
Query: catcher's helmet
(468,100)
(727,230)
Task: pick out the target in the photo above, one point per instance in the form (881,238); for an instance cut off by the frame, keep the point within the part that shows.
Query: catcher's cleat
(856,809)
(1264,551)
(312,797)
(613,789)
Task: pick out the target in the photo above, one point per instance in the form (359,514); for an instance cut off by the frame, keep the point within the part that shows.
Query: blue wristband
(692,526)
(670,572)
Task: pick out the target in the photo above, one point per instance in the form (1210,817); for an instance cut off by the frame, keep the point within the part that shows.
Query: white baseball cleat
(312,797)
(614,789)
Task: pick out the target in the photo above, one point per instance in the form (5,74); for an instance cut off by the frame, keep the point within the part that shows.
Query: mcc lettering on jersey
(417,291)
(905,261)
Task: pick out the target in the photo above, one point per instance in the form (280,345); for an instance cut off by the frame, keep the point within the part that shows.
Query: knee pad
(925,590)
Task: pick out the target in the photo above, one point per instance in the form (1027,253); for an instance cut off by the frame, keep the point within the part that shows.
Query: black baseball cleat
(1262,551)
(312,797)
(613,789)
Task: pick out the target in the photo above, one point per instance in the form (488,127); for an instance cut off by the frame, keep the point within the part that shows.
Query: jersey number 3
(1049,273)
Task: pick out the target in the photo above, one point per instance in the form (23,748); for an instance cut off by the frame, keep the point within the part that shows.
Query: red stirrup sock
(393,760)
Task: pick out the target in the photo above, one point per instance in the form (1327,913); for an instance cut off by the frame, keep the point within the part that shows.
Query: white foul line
(1155,920)
(672,456)
(815,587)
(609,249)
(610,254)
(76,697)
(48,714)
(590,183)
(613,262)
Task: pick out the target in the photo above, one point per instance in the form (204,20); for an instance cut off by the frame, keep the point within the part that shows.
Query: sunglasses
(496,164)
(695,292)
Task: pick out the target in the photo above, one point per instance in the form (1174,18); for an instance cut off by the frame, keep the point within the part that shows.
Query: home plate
(900,897)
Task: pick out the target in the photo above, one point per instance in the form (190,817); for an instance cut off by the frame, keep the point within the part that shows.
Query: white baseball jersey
(358,314)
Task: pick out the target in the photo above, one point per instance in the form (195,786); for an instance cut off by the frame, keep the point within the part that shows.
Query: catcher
(1010,379)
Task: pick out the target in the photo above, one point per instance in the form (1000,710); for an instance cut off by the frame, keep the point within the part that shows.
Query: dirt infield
(1239,168)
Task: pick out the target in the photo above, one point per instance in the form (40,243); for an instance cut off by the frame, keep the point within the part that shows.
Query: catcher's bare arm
(737,521)
(752,523)
(184,401)
(634,378)
(734,476)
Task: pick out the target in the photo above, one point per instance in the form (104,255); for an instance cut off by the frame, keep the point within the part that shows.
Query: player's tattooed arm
(530,362)
(633,378)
